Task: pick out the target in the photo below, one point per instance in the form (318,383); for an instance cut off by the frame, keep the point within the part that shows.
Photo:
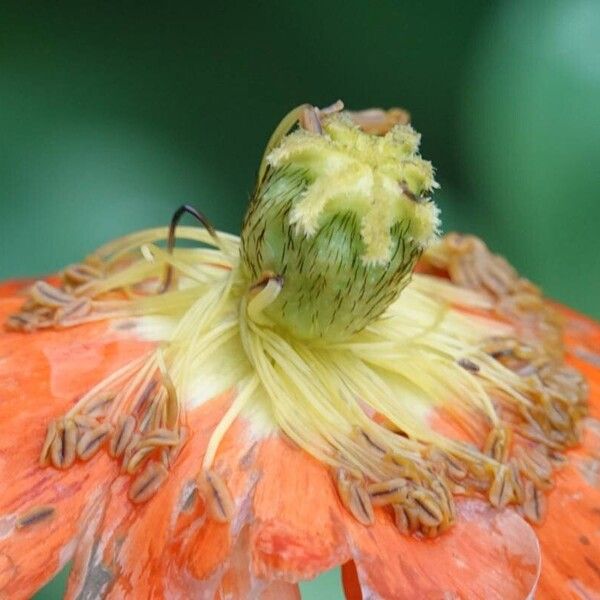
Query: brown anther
(189,498)
(97,404)
(122,435)
(362,435)
(73,312)
(536,466)
(401,518)
(156,413)
(26,322)
(51,433)
(501,492)
(525,352)
(91,441)
(559,417)
(63,447)
(130,451)
(85,422)
(138,456)
(470,264)
(147,483)
(412,516)
(81,273)
(45,294)
(218,498)
(429,511)
(355,497)
(158,438)
(534,433)
(143,396)
(497,444)
(534,504)
(34,515)
(392,491)
(516,482)
(442,491)
(498,347)
(455,469)
(556,459)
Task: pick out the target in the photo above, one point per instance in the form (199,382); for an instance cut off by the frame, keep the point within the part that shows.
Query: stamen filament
(247,388)
(139,382)
(108,383)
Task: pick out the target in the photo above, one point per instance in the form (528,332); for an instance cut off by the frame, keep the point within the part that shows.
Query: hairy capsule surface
(341,215)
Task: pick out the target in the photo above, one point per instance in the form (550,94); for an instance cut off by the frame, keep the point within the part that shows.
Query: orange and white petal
(169,547)
(298,527)
(41,377)
(488,554)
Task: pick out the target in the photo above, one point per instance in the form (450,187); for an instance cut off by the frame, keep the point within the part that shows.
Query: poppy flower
(338,386)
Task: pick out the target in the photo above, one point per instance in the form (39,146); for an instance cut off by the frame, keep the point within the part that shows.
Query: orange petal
(581,332)
(11,289)
(239,583)
(169,544)
(279,590)
(570,535)
(582,337)
(40,377)
(488,554)
(298,529)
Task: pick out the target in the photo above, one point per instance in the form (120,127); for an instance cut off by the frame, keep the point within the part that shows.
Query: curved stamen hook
(190,210)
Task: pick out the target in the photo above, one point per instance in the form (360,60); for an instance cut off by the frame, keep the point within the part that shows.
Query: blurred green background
(113,114)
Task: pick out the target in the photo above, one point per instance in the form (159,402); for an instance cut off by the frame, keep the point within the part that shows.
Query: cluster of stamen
(61,306)
(135,415)
(420,505)
(469,264)
(528,442)
(328,397)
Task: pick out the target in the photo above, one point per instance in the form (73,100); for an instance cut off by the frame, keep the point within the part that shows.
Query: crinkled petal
(169,547)
(240,583)
(488,554)
(570,535)
(41,375)
(298,527)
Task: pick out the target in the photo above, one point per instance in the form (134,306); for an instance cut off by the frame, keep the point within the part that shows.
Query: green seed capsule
(341,216)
